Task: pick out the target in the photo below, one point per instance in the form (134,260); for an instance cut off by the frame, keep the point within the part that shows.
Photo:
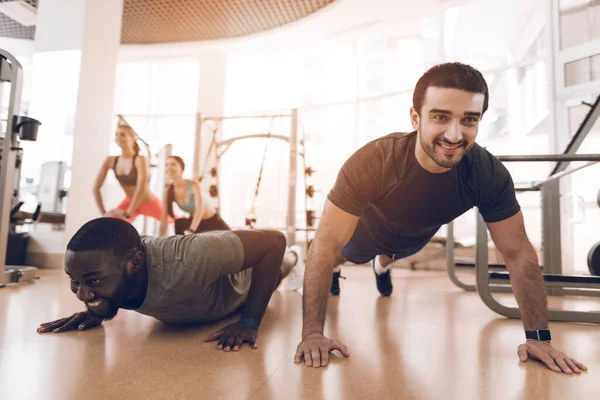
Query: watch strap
(540,334)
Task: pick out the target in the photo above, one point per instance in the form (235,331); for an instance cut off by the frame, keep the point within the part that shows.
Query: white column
(211,99)
(211,103)
(93,128)
(74,68)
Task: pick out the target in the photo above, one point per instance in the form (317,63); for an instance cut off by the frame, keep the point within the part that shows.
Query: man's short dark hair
(117,238)
(451,76)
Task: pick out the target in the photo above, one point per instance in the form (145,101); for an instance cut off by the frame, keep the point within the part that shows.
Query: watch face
(544,335)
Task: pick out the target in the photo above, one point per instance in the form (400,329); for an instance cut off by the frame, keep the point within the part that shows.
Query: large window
(581,71)
(159,100)
(580,199)
(330,75)
(579,22)
(263,81)
(349,91)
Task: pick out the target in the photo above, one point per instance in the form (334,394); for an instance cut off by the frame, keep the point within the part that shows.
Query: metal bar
(222,152)
(292,180)
(484,290)
(551,231)
(585,128)
(564,173)
(549,158)
(576,285)
(527,189)
(218,167)
(451,266)
(253,136)
(198,148)
(583,292)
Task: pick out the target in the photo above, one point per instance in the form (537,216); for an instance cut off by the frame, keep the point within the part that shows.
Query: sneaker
(384,281)
(335,283)
(295,279)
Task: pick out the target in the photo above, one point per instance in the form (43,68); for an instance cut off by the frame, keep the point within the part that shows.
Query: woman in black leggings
(188,196)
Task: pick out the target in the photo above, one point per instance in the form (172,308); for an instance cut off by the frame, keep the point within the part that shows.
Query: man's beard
(114,302)
(443,160)
(109,314)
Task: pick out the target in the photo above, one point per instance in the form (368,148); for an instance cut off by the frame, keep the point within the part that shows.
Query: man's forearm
(529,289)
(317,280)
(264,278)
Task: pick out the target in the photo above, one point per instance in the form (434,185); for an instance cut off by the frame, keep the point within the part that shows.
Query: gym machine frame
(488,282)
(220,147)
(17,127)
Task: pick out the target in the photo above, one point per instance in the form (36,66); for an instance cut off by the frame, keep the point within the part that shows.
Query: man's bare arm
(334,230)
(530,291)
(510,238)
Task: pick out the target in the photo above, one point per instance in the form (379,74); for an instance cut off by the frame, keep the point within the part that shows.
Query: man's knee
(278,240)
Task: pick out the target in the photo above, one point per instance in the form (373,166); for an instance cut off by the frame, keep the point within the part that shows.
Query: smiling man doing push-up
(190,279)
(394,194)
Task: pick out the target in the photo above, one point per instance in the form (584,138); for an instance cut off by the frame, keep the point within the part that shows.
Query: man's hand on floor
(315,350)
(81,321)
(233,336)
(555,360)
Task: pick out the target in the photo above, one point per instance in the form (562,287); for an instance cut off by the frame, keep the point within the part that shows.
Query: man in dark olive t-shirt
(393,194)
(401,205)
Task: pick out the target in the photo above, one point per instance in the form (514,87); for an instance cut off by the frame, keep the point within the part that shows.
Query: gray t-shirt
(194,278)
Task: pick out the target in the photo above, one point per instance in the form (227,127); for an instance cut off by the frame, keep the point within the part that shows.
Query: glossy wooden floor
(429,340)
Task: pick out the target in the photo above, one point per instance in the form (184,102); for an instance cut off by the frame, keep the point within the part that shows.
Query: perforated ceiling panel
(163,21)
(10,28)
(166,21)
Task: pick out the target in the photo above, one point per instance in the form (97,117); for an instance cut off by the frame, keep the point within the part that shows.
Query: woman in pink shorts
(132,171)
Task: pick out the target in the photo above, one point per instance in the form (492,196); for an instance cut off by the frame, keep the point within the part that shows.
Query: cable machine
(217,148)
(17,128)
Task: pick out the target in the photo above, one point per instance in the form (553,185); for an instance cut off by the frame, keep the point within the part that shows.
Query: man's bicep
(336,226)
(509,235)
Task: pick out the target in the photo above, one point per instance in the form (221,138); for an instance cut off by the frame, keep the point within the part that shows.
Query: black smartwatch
(542,335)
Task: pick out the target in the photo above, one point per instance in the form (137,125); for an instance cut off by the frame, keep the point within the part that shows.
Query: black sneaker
(384,281)
(335,283)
